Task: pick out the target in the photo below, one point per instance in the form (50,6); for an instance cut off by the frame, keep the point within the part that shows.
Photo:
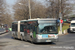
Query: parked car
(7,30)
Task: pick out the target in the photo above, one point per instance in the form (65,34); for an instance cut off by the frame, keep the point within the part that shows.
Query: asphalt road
(66,42)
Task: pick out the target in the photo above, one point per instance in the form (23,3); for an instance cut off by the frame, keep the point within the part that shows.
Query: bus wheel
(31,39)
(13,36)
(32,42)
(25,39)
(21,38)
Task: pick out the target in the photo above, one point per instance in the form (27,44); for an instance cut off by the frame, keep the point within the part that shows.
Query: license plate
(48,40)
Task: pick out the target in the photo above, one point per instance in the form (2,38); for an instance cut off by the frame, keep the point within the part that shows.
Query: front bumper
(46,40)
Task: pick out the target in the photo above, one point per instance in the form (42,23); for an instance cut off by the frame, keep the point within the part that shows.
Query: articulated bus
(36,30)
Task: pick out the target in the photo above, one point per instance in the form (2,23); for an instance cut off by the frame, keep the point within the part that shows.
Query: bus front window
(47,28)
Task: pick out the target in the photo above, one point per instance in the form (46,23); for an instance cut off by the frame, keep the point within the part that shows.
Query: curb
(3,33)
(64,33)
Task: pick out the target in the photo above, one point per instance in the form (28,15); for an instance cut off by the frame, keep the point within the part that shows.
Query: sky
(10,2)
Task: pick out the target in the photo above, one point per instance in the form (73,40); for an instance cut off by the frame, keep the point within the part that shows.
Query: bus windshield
(47,28)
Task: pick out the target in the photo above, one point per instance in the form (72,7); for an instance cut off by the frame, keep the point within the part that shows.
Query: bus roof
(27,20)
(43,19)
(15,22)
(36,19)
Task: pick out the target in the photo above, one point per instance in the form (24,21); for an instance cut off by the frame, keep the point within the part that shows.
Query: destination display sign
(47,21)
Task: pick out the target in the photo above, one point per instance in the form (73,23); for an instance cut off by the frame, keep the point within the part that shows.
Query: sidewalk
(64,33)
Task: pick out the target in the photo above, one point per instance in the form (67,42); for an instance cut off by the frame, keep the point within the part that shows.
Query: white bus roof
(36,19)
(15,22)
(43,19)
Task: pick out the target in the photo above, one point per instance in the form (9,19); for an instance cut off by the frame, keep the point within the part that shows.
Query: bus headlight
(39,36)
(56,36)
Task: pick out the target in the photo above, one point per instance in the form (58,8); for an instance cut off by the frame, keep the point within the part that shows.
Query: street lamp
(20,3)
(29,8)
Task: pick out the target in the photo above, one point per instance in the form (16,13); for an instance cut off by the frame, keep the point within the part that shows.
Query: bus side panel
(13,33)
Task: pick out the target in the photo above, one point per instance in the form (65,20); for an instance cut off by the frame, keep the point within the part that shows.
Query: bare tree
(22,11)
(38,10)
(1,10)
(5,18)
(54,6)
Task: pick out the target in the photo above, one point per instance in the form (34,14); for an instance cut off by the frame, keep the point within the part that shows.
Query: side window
(31,28)
(14,27)
(28,26)
(22,28)
(25,27)
(34,27)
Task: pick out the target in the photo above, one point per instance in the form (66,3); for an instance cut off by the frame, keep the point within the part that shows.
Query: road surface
(66,42)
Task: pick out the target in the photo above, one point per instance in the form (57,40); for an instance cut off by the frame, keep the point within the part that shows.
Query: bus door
(28,31)
(16,30)
(33,32)
(25,32)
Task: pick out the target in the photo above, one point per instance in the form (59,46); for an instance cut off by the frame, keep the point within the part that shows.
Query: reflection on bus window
(47,28)
(22,28)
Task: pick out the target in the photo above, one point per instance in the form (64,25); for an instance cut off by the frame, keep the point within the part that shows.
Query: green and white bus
(36,30)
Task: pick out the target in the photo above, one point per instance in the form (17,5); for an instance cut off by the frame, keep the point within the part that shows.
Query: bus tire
(31,39)
(13,36)
(25,39)
(21,38)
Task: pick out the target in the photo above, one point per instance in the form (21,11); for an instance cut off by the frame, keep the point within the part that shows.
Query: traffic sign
(61,21)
